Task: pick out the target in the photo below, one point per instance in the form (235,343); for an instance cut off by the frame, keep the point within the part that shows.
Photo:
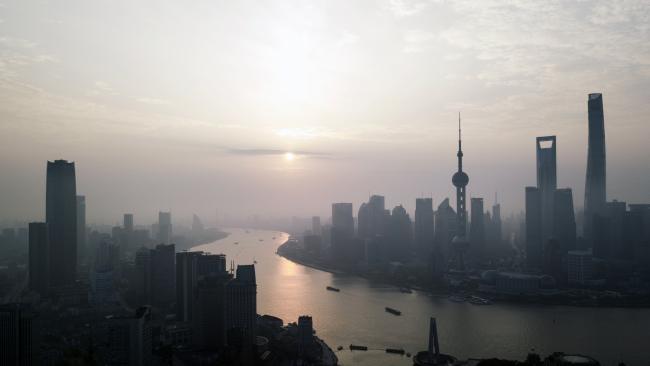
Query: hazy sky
(192,105)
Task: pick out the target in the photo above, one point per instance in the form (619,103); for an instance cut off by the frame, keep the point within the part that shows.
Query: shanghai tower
(595,183)
(61,217)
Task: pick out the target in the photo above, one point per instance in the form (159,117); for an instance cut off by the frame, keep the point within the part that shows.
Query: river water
(356,314)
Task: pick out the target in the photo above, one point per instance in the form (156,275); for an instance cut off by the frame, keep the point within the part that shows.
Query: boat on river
(330,288)
(393,311)
(475,300)
(405,290)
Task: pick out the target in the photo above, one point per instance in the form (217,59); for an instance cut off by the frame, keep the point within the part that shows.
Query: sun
(289,156)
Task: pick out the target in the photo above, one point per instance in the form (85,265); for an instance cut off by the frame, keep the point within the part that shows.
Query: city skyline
(330,93)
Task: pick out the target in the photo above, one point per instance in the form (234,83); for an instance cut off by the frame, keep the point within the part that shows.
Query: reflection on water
(356,314)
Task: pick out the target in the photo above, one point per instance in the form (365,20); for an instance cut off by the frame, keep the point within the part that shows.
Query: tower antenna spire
(459,135)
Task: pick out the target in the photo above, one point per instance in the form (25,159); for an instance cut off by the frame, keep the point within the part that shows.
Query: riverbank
(557,297)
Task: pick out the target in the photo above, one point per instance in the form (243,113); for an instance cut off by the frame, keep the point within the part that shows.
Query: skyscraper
(477,228)
(163,279)
(342,231)
(596,181)
(61,217)
(546,181)
(342,218)
(534,240)
(399,235)
(424,225)
(128,222)
(372,218)
(241,297)
(18,340)
(129,339)
(564,225)
(187,276)
(164,227)
(39,258)
(81,228)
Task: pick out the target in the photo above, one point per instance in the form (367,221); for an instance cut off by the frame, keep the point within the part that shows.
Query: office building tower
(494,232)
(342,219)
(129,339)
(61,218)
(608,231)
(580,266)
(477,229)
(142,276)
(187,276)
(163,279)
(39,258)
(546,181)
(596,181)
(128,222)
(211,264)
(81,229)
(376,218)
(460,180)
(445,229)
(241,304)
(315,225)
(399,235)
(342,231)
(209,320)
(19,341)
(564,224)
(534,242)
(305,333)
(423,232)
(104,273)
(164,227)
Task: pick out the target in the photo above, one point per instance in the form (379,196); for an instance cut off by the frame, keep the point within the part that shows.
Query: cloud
(152,101)
(404,8)
(274,152)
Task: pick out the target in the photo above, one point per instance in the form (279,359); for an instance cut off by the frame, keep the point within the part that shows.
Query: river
(356,314)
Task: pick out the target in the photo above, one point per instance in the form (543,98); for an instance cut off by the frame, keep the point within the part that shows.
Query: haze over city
(193,107)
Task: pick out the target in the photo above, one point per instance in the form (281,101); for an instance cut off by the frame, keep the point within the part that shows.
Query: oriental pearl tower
(460,179)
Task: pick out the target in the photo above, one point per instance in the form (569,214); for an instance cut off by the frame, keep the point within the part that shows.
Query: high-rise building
(209,325)
(211,264)
(342,230)
(61,217)
(81,228)
(399,235)
(164,227)
(305,333)
(579,266)
(315,225)
(445,230)
(477,229)
(342,218)
(163,278)
(128,222)
(187,276)
(39,257)
(494,234)
(564,224)
(129,339)
(423,232)
(546,181)
(596,182)
(142,276)
(18,337)
(534,242)
(241,303)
